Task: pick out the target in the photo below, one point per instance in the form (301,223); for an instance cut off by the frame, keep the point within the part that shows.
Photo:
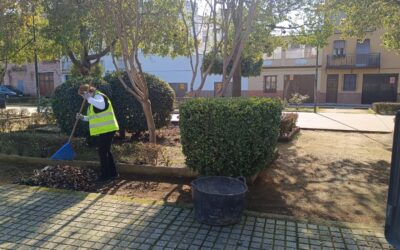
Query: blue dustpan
(66,152)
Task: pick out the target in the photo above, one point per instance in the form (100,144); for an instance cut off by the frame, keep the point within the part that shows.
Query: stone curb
(347,131)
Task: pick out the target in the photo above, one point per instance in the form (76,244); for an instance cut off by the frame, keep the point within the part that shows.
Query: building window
(339,48)
(350,82)
(270,83)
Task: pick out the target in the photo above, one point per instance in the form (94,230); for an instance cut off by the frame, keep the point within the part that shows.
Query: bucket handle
(242,179)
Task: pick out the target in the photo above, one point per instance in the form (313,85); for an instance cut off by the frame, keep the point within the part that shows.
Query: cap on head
(86,88)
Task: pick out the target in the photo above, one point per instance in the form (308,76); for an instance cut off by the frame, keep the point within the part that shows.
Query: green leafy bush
(35,145)
(386,108)
(129,111)
(298,99)
(229,136)
(288,122)
(66,103)
(138,153)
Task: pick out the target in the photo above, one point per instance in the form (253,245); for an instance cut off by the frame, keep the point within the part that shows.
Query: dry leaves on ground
(66,177)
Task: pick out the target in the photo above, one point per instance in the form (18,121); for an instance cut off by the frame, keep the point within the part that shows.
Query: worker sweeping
(102,126)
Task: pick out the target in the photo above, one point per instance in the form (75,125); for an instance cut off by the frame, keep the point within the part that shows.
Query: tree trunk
(84,71)
(237,74)
(316,82)
(84,67)
(150,121)
(237,81)
(3,73)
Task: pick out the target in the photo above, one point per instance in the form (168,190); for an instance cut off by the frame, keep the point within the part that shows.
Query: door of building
(379,88)
(332,88)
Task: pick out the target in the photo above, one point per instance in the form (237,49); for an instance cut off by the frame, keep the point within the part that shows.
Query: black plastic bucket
(219,200)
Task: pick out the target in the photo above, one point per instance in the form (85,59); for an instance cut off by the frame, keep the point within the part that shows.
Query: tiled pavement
(32,219)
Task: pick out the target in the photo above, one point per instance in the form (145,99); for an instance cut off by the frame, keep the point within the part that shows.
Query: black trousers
(104,142)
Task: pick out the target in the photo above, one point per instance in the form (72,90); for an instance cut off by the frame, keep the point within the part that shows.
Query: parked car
(6,91)
(14,89)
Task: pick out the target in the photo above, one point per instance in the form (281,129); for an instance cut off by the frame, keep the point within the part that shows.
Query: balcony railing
(372,60)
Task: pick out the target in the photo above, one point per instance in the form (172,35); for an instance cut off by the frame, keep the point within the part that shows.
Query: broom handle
(76,121)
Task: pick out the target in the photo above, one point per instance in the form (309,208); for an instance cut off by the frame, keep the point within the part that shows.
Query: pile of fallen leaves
(66,177)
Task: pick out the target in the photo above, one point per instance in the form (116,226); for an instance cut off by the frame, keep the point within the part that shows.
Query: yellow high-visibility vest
(104,121)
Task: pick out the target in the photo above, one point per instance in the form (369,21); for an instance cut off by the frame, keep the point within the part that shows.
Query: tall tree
(317,28)
(201,38)
(17,44)
(362,16)
(9,21)
(140,26)
(249,27)
(74,29)
(235,30)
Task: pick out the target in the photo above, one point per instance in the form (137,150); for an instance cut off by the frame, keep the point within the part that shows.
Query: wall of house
(389,64)
(291,61)
(23,77)
(256,84)
(389,59)
(171,70)
(280,64)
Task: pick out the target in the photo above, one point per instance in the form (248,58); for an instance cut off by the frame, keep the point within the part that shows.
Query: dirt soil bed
(329,175)
(326,175)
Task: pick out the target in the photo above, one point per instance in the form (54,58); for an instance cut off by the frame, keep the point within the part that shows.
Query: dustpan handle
(76,121)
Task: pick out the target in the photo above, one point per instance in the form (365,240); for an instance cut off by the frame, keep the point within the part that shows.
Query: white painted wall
(168,69)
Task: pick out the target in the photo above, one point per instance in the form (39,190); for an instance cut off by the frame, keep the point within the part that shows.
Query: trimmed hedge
(386,108)
(35,145)
(229,136)
(66,103)
(129,111)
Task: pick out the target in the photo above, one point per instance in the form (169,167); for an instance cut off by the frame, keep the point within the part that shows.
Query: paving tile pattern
(57,220)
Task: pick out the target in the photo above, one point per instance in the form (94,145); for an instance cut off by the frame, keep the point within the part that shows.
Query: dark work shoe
(113,177)
(103,179)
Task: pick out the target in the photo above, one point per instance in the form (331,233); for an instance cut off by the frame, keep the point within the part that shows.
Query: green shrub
(288,122)
(137,153)
(298,99)
(129,111)
(386,108)
(35,145)
(66,103)
(229,136)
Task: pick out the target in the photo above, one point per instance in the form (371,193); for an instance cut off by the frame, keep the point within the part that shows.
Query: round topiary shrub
(66,103)
(229,136)
(129,111)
